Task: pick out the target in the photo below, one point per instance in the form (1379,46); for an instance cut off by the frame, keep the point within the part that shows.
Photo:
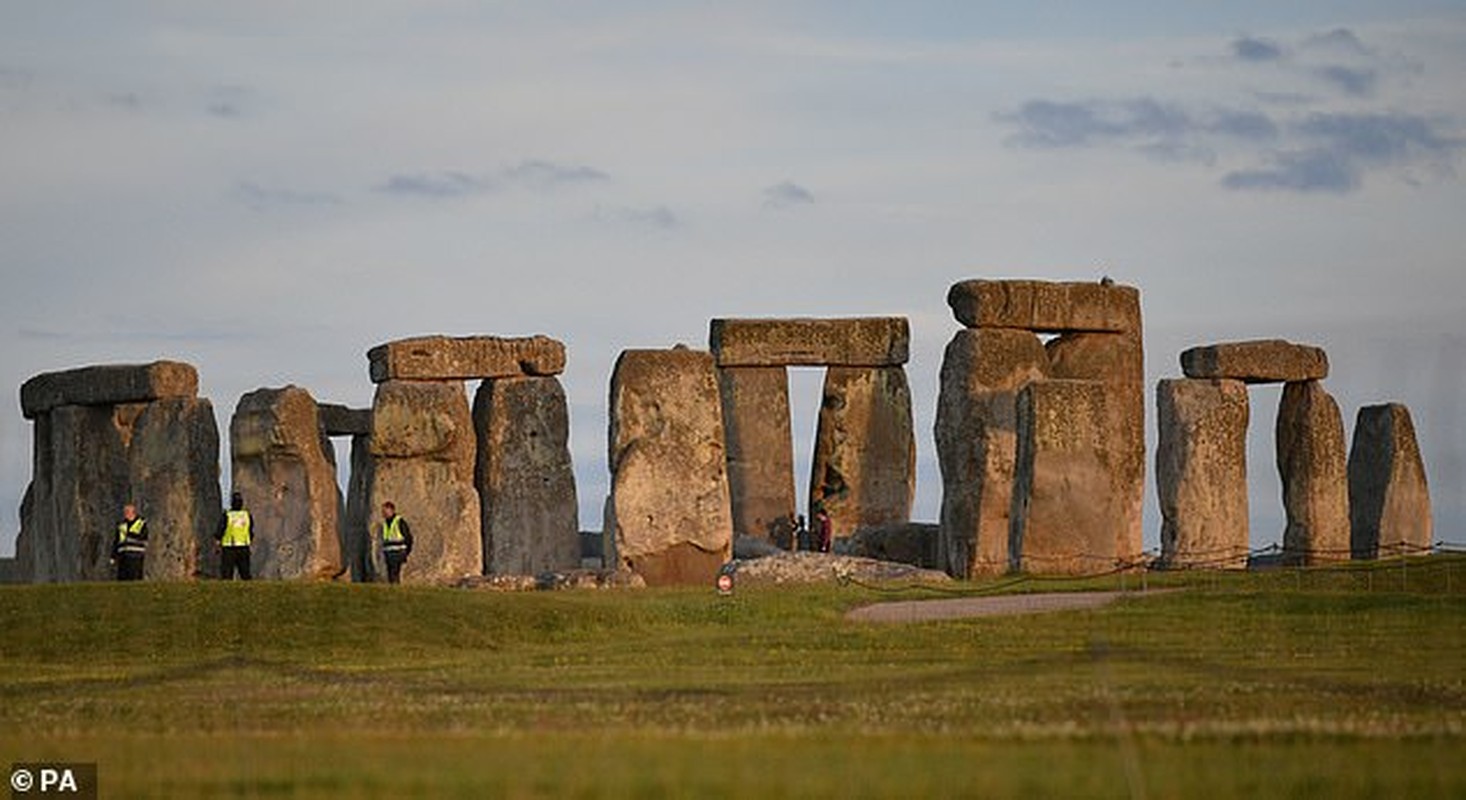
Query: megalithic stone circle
(284,466)
(983,369)
(668,516)
(1201,472)
(1389,499)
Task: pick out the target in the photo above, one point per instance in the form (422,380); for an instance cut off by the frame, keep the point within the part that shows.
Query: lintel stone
(462,358)
(339,420)
(802,342)
(1257,361)
(1046,306)
(105,385)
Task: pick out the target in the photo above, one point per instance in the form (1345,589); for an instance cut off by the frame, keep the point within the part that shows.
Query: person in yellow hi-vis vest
(396,541)
(131,545)
(236,531)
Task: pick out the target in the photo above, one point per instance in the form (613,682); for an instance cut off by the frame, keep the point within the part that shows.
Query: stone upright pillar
(1201,472)
(423,461)
(760,450)
(668,517)
(285,468)
(1389,501)
(525,480)
(1065,510)
(339,420)
(173,468)
(864,470)
(983,370)
(1312,465)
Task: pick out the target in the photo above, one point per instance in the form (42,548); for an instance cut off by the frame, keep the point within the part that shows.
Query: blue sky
(267,190)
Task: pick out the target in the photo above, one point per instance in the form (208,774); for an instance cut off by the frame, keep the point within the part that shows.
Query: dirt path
(999,606)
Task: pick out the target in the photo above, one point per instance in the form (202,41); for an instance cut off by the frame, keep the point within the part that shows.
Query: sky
(268,189)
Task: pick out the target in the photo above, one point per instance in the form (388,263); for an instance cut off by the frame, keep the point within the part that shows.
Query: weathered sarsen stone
(668,517)
(1065,511)
(339,420)
(107,385)
(1201,472)
(760,451)
(1389,501)
(1258,361)
(173,471)
(1118,361)
(976,433)
(356,529)
(525,480)
(864,466)
(1312,465)
(441,358)
(1045,306)
(285,468)
(849,342)
(423,454)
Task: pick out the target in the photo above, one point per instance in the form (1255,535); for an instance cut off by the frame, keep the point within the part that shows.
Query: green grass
(1335,682)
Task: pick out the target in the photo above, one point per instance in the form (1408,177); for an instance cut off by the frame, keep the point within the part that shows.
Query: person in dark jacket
(396,541)
(820,529)
(131,545)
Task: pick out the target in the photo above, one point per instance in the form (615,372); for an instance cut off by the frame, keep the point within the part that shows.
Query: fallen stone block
(1045,306)
(1389,500)
(1258,361)
(848,342)
(442,358)
(913,543)
(107,385)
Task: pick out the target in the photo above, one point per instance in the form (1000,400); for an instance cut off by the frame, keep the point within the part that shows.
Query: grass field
(1336,683)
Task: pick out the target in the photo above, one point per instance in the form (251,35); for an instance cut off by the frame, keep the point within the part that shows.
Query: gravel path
(999,606)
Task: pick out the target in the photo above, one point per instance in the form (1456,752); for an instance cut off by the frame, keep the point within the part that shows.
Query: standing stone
(1065,512)
(285,467)
(760,451)
(1389,501)
(1201,472)
(78,486)
(1313,466)
(423,461)
(173,469)
(668,517)
(1257,361)
(864,470)
(976,432)
(356,538)
(525,480)
(1118,361)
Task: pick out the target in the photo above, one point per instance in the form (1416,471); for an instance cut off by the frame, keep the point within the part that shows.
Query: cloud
(787,193)
(1340,41)
(1158,129)
(1344,147)
(660,217)
(1304,171)
(536,175)
(1357,81)
(1248,48)
(264,198)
